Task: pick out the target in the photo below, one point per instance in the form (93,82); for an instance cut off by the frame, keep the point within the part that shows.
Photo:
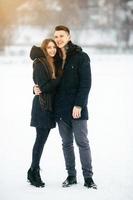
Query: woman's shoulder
(39,60)
(38,63)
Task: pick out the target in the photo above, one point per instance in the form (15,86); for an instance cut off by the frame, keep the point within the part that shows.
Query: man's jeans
(77,129)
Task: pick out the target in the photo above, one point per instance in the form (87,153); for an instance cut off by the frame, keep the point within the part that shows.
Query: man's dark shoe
(33,176)
(69,181)
(89,183)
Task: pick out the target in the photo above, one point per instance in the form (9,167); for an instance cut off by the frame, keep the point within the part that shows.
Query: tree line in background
(77,14)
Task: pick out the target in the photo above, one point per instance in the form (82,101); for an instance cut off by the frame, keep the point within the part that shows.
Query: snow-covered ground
(110,134)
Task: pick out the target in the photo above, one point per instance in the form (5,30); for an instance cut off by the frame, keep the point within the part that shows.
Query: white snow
(110,134)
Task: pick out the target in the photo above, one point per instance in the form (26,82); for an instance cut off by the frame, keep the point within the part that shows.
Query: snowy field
(110,134)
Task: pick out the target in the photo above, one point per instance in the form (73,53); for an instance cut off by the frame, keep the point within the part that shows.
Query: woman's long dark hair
(50,60)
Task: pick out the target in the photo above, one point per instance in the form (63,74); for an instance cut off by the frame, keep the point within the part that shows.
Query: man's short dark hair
(62,28)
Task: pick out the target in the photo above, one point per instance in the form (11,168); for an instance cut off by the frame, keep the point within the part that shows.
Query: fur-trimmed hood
(36,52)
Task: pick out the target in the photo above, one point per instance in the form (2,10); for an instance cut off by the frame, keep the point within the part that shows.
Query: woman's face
(51,49)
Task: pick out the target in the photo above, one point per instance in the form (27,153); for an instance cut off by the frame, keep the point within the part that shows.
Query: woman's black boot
(34,177)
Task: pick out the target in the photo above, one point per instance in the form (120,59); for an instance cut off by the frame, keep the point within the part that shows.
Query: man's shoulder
(83,55)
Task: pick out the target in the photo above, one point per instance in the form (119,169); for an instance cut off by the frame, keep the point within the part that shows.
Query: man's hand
(37,90)
(76,113)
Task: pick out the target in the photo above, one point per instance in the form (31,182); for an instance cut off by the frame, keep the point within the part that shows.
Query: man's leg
(80,133)
(66,134)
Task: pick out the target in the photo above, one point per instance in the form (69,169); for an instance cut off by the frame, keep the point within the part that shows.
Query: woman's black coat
(42,107)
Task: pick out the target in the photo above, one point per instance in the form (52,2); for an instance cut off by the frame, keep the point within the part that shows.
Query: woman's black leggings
(41,137)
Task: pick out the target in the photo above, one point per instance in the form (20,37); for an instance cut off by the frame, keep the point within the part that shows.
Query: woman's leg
(33,174)
(41,137)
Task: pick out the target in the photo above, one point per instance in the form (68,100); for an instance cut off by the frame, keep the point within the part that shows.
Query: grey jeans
(77,130)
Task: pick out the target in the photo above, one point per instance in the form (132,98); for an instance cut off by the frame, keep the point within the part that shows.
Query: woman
(42,118)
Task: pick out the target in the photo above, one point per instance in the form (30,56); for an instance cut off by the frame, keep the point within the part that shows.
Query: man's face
(61,38)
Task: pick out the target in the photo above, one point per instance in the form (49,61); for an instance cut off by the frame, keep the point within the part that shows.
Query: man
(71,106)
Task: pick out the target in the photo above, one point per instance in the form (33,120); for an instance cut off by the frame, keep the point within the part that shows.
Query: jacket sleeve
(39,76)
(84,81)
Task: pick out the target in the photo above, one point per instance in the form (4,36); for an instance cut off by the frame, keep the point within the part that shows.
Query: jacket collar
(72,48)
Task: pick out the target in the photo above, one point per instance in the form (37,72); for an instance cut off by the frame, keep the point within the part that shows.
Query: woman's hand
(37,90)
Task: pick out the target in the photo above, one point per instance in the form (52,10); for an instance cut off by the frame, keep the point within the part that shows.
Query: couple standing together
(62,77)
